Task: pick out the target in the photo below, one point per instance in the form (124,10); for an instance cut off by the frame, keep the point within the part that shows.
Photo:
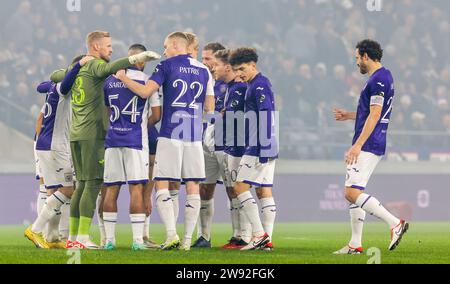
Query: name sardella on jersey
(54,133)
(185,83)
(128,113)
(379,90)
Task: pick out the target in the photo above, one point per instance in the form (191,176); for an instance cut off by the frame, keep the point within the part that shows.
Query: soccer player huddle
(106,124)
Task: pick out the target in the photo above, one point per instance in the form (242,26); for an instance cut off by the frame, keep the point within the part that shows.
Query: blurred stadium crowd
(306,48)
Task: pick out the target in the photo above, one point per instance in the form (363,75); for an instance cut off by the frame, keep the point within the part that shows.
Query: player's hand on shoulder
(86,59)
(120,74)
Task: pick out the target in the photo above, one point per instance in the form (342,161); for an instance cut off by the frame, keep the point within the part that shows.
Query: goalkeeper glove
(143,57)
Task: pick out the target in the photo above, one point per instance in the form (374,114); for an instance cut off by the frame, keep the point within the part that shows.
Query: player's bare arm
(85,60)
(155,117)
(351,157)
(39,123)
(343,115)
(209,104)
(144,91)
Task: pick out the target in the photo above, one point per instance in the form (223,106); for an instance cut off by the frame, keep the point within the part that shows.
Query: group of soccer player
(218,125)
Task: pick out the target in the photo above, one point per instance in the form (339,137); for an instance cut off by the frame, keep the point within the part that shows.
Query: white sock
(206,217)
(176,204)
(372,206)
(42,197)
(268,213)
(245,225)
(53,228)
(250,209)
(165,210)
(101,224)
(191,213)
(137,226)
(234,212)
(110,221)
(64,222)
(357,216)
(50,209)
(147,227)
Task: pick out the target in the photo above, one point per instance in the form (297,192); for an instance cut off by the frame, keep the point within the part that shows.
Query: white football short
(358,174)
(231,166)
(56,168)
(254,173)
(125,165)
(178,160)
(214,167)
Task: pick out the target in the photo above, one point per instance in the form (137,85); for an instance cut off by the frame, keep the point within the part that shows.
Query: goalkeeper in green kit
(88,130)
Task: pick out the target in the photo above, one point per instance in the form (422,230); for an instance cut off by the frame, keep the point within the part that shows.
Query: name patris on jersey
(185,83)
(379,90)
(128,113)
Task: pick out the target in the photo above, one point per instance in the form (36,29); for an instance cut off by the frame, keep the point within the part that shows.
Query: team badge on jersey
(262,98)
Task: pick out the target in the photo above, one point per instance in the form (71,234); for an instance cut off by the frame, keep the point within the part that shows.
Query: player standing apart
(369,145)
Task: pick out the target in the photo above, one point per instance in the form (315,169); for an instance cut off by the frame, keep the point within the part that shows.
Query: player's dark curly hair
(372,48)
(223,55)
(243,55)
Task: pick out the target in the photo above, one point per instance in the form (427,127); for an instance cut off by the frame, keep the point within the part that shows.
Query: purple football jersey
(260,124)
(379,90)
(234,134)
(129,113)
(185,83)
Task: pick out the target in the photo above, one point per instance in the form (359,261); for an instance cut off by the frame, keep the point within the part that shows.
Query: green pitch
(294,243)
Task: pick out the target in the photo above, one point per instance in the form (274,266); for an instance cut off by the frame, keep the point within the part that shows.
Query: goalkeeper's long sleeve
(101,69)
(58,75)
